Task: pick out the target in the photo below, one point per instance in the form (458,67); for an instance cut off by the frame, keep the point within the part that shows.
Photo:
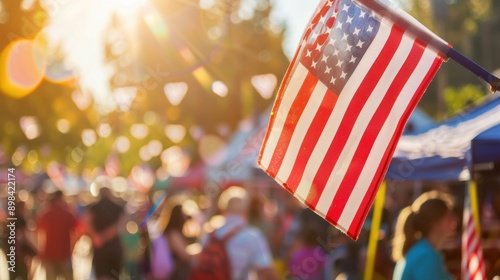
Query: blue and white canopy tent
(447,151)
(485,149)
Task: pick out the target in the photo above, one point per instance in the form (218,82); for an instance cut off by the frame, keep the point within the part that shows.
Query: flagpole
(475,68)
(374,232)
(414,27)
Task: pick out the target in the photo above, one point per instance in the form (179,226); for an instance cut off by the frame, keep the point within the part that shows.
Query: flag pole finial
(495,85)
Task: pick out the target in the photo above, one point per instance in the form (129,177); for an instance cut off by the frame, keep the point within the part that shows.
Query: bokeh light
(124,96)
(22,67)
(194,249)
(142,178)
(122,144)
(119,184)
(104,130)
(18,156)
(175,92)
(23,195)
(212,149)
(175,132)
(206,4)
(82,99)
(63,125)
(139,130)
(144,154)
(89,137)
(175,161)
(265,84)
(32,157)
(219,88)
(155,147)
(30,127)
(132,227)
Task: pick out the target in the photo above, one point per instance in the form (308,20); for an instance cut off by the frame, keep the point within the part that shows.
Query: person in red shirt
(56,235)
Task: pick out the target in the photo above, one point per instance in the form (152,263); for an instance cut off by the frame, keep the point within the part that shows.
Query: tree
(40,121)
(210,55)
(458,22)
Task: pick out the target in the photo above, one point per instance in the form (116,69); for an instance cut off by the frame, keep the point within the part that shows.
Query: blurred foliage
(461,23)
(47,104)
(218,48)
(195,47)
(457,99)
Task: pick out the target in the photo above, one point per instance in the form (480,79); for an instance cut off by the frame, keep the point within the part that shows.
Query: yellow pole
(374,231)
(474,205)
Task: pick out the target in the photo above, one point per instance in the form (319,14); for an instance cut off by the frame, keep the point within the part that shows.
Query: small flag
(340,111)
(472,252)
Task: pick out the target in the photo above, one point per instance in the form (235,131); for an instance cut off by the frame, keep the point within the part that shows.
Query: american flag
(472,252)
(341,109)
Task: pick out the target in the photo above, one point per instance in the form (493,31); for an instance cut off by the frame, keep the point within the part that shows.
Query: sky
(79,26)
(295,14)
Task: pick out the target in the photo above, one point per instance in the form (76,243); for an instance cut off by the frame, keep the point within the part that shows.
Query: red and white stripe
(472,253)
(332,150)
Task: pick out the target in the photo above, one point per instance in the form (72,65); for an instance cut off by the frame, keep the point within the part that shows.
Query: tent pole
(374,232)
(474,204)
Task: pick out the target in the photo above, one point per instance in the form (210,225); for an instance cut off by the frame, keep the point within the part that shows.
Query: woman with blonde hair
(421,230)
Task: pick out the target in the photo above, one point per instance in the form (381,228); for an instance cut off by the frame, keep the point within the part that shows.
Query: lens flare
(22,67)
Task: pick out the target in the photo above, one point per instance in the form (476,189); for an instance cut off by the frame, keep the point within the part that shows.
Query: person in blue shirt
(421,229)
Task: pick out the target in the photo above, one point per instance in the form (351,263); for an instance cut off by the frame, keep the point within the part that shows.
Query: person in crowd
(24,249)
(420,231)
(177,241)
(56,236)
(247,248)
(103,222)
(308,259)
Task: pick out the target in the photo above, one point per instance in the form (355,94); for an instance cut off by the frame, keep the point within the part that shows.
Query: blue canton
(333,53)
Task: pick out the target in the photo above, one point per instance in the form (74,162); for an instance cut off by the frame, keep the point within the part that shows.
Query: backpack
(213,262)
(161,262)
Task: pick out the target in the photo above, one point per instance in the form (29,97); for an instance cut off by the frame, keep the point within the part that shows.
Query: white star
(324,58)
(370,28)
(314,36)
(360,44)
(331,41)
(356,31)
(339,26)
(343,75)
(362,15)
(308,54)
(336,52)
(349,19)
(322,20)
(327,70)
(348,48)
(345,8)
(344,38)
(318,47)
(332,81)
(339,63)
(353,59)
(313,65)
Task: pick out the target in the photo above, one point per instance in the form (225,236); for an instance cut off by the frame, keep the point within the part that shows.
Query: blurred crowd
(242,233)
